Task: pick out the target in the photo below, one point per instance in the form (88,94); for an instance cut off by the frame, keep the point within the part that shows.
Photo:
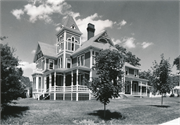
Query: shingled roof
(47,49)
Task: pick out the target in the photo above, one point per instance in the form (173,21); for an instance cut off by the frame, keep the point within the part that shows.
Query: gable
(44,49)
(38,53)
(104,38)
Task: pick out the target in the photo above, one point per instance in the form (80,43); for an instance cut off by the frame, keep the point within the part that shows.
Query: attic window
(73,27)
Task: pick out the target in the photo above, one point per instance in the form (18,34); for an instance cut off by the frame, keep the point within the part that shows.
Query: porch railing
(74,88)
(138,93)
(38,90)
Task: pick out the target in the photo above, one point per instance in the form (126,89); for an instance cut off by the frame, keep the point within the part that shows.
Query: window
(50,64)
(81,60)
(93,57)
(39,82)
(60,62)
(71,43)
(34,82)
(131,71)
(68,63)
(78,60)
(72,47)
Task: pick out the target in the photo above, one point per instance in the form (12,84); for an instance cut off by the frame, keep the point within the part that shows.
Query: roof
(47,49)
(68,22)
(130,66)
(91,43)
(135,78)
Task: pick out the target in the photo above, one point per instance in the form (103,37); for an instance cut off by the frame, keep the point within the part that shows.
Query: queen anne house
(60,68)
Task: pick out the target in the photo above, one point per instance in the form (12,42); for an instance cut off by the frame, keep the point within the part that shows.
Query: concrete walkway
(173,122)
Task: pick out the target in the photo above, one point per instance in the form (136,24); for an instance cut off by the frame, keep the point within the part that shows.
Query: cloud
(58,28)
(146,44)
(122,23)
(95,19)
(33,51)
(43,10)
(26,65)
(129,42)
(117,41)
(17,13)
(55,2)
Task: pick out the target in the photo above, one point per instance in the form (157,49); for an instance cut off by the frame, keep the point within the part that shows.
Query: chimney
(90,30)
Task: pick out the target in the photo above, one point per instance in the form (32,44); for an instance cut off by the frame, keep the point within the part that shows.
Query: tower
(68,41)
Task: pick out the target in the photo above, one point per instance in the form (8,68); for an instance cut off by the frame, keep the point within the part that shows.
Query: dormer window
(73,27)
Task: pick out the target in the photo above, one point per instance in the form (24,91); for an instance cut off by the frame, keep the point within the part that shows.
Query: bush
(172,95)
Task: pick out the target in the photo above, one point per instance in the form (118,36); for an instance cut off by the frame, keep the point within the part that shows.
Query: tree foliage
(177,62)
(11,86)
(108,84)
(129,57)
(161,73)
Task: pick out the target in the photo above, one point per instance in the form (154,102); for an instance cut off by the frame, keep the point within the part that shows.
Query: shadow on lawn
(161,106)
(109,115)
(13,111)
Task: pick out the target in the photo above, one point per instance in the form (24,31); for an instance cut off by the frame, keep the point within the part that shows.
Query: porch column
(71,84)
(141,90)
(146,88)
(77,84)
(64,85)
(54,85)
(44,85)
(45,64)
(64,51)
(41,83)
(90,74)
(50,80)
(131,87)
(37,84)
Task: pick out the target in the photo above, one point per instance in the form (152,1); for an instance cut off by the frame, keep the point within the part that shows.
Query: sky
(145,28)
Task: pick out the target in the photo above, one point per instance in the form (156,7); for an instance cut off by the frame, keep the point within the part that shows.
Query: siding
(76,46)
(74,62)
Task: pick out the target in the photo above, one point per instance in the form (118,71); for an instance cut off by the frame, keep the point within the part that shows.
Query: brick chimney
(90,31)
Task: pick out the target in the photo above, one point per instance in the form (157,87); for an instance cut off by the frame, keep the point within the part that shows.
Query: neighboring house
(176,89)
(28,85)
(60,68)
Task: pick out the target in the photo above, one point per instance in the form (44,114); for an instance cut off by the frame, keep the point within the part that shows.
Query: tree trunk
(162,99)
(104,110)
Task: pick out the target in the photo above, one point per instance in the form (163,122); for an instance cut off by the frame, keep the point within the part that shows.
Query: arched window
(71,43)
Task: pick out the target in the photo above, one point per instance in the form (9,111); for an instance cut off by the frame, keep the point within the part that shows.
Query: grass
(131,110)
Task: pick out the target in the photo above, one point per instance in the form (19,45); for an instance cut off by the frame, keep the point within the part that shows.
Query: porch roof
(65,70)
(135,78)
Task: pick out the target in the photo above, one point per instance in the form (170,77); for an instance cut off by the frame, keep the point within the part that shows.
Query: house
(60,68)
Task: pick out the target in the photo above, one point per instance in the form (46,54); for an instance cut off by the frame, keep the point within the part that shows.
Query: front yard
(132,110)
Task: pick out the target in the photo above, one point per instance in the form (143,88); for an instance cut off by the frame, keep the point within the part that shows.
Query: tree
(147,75)
(161,73)
(108,84)
(177,63)
(11,86)
(129,57)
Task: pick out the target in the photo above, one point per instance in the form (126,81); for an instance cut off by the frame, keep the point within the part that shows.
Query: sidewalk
(173,122)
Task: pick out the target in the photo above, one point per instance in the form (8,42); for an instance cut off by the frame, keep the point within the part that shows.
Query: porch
(136,87)
(66,85)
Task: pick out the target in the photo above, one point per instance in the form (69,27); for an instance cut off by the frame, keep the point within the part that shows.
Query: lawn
(131,110)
